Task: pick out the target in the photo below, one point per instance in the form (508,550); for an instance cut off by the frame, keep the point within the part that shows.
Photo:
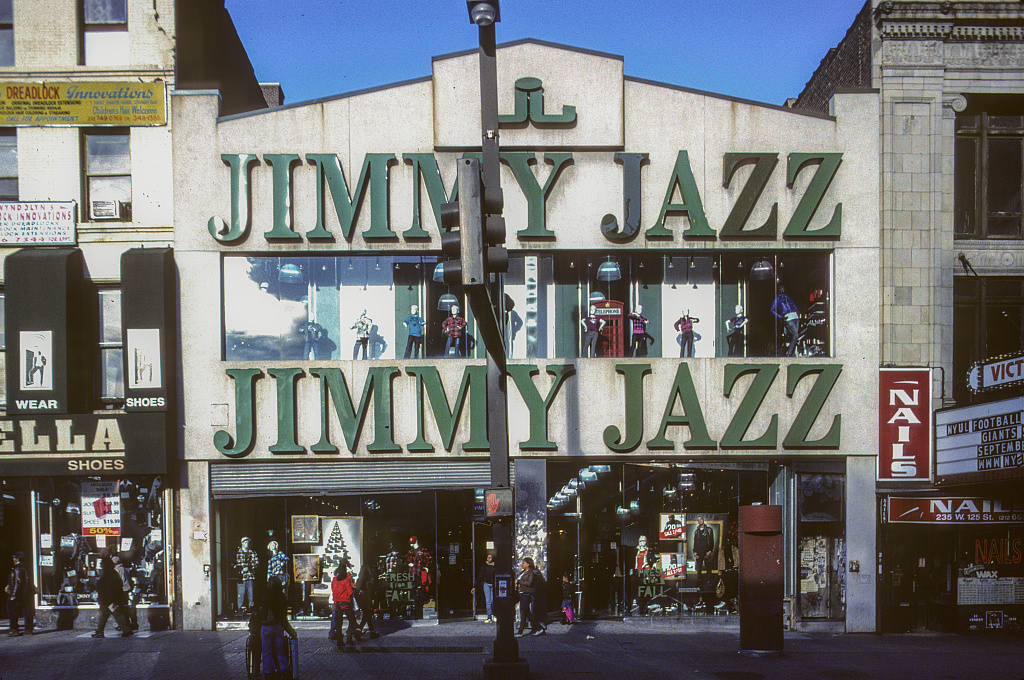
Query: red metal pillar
(761,578)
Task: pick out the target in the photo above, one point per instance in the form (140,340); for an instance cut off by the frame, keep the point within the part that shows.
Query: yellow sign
(114,103)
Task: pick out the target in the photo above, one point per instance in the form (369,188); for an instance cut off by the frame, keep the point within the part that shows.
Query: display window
(78,521)
(821,549)
(650,539)
(416,547)
(561,305)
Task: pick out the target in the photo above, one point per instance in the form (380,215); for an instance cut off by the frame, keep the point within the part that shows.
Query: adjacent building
(89,439)
(950,77)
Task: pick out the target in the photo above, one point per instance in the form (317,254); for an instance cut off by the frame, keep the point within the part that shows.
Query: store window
(989,176)
(105,32)
(8,165)
(108,177)
(110,371)
(6,32)
(626,535)
(421,546)
(561,305)
(80,520)
(988,314)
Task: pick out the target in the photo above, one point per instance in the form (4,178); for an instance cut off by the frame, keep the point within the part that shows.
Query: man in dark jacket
(703,547)
(17,592)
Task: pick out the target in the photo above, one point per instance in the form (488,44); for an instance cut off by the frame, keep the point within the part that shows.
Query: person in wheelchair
(273,624)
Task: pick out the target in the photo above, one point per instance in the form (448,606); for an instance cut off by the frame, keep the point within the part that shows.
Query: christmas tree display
(334,552)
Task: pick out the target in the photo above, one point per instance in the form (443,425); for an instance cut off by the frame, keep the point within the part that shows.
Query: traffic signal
(495,253)
(462,240)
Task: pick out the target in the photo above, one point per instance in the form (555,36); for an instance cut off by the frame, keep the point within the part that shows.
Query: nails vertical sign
(904,425)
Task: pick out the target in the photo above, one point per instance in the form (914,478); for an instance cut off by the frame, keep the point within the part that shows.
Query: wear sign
(900,510)
(904,431)
(101,508)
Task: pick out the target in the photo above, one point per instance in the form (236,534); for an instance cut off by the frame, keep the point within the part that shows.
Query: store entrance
(918,579)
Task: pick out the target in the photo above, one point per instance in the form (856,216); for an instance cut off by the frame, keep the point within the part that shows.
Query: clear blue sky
(763,50)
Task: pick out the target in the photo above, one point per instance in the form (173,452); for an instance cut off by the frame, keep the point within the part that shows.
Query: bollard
(761,579)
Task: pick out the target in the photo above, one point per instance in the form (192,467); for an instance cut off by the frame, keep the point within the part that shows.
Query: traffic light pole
(506,662)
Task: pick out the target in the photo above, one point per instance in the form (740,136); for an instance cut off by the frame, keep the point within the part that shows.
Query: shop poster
(341,538)
(716,521)
(673,566)
(670,527)
(101,508)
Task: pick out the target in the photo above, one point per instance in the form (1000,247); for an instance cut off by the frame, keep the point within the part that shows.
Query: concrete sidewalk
(592,650)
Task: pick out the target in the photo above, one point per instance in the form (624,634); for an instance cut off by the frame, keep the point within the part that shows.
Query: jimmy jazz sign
(335,191)
(328,399)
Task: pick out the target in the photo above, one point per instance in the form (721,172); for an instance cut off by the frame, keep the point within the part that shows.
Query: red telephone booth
(612,343)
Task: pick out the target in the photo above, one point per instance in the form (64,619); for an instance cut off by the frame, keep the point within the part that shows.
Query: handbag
(720,588)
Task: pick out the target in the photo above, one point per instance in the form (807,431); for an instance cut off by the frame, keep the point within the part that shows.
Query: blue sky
(763,50)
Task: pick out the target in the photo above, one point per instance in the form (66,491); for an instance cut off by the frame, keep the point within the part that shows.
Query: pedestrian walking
(111,596)
(485,580)
(366,586)
(568,591)
(17,592)
(342,588)
(273,625)
(530,583)
(126,585)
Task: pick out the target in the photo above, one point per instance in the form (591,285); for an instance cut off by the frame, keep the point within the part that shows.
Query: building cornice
(951,21)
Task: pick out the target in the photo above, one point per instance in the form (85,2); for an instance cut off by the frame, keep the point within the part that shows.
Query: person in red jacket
(342,588)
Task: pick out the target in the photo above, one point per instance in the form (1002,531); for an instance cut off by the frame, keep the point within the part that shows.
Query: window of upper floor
(988,315)
(558,305)
(8,164)
(108,174)
(105,32)
(6,32)
(989,170)
(109,360)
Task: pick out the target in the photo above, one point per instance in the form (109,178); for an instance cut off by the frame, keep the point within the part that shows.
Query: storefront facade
(653,230)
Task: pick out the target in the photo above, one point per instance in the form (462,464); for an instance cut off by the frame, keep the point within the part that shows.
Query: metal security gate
(327,478)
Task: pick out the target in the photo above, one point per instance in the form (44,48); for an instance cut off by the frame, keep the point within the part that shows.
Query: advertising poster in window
(713,523)
(341,539)
(101,508)
(673,566)
(671,527)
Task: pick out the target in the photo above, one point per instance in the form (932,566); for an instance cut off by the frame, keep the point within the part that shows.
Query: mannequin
(414,322)
(644,559)
(592,325)
(277,564)
(783,307)
(246,563)
(453,329)
(734,328)
(420,563)
(639,336)
(685,326)
(362,326)
(641,553)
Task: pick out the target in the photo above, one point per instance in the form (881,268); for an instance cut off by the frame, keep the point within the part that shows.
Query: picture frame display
(305,528)
(306,567)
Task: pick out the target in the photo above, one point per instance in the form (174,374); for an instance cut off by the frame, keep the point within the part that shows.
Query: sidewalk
(612,650)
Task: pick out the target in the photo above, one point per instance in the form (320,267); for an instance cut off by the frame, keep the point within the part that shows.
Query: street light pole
(505,662)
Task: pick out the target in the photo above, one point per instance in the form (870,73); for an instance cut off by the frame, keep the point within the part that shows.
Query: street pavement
(590,650)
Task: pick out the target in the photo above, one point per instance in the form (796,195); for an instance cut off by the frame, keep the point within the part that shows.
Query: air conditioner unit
(106,210)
